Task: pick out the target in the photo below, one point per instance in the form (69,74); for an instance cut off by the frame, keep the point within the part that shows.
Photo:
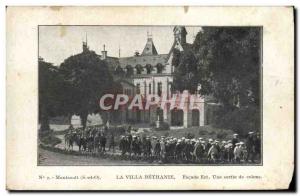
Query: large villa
(151,73)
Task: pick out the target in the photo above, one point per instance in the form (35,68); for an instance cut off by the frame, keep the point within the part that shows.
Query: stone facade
(152,73)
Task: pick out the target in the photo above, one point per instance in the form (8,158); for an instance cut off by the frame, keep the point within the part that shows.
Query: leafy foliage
(119,71)
(88,78)
(226,63)
(229,64)
(51,86)
(185,75)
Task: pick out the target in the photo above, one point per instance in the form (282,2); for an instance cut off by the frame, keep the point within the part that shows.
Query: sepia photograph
(149,95)
(150,98)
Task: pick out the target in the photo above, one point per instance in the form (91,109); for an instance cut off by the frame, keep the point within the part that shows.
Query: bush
(50,140)
(212,133)
(167,134)
(221,134)
(164,126)
(240,120)
(203,132)
(152,124)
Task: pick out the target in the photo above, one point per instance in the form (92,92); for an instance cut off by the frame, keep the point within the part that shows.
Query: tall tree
(88,78)
(185,75)
(51,86)
(226,63)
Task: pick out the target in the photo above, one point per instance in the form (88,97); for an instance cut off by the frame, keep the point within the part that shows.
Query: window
(129,70)
(138,90)
(159,68)
(149,88)
(139,69)
(159,89)
(148,68)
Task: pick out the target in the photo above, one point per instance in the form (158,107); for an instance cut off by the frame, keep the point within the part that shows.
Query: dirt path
(53,158)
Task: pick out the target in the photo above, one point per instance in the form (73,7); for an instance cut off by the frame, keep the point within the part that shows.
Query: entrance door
(176,117)
(195,117)
(159,114)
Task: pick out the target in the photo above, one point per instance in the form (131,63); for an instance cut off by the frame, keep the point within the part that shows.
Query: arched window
(149,68)
(150,88)
(129,70)
(139,69)
(176,117)
(159,88)
(160,114)
(159,68)
(119,71)
(195,117)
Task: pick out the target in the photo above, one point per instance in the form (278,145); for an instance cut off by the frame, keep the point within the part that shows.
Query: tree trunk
(44,122)
(83,117)
(70,119)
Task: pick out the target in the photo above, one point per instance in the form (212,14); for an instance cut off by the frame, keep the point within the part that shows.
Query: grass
(50,140)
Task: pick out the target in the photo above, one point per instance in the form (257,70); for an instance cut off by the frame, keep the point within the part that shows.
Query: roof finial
(149,35)
(194,37)
(86,38)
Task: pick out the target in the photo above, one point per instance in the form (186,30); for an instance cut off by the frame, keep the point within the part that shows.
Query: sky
(56,43)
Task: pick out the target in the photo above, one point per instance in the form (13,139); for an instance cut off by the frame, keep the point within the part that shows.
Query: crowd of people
(166,149)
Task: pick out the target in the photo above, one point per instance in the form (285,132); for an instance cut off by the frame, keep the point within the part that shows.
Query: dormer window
(129,70)
(149,68)
(139,69)
(159,68)
(119,71)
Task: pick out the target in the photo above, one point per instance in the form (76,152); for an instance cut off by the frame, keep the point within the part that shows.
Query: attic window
(147,48)
(148,68)
(159,68)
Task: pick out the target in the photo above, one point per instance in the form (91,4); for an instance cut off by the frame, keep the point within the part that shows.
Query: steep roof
(143,60)
(177,45)
(149,48)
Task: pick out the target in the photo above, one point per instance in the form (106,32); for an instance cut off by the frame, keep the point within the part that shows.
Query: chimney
(85,47)
(104,53)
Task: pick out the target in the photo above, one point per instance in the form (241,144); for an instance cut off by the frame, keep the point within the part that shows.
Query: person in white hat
(250,147)
(162,150)
(237,153)
(153,144)
(199,150)
(218,148)
(222,151)
(244,152)
(209,144)
(178,150)
(212,153)
(235,139)
(157,149)
(229,155)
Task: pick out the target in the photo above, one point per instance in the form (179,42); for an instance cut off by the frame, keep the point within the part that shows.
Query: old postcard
(150,98)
